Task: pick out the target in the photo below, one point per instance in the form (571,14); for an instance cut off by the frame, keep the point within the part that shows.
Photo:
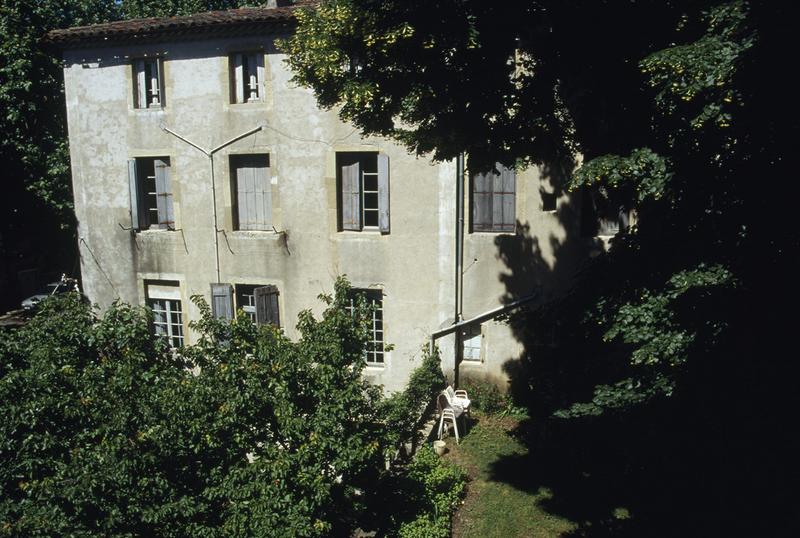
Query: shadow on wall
(703,462)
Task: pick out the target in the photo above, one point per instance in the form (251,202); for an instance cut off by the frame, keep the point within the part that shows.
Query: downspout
(459,276)
(210,154)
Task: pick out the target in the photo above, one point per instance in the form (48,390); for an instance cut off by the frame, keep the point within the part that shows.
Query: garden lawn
(495,508)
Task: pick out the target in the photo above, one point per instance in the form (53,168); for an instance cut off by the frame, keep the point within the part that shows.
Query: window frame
(477,222)
(241,294)
(143,201)
(376,346)
(235,161)
(469,334)
(164,298)
(246,61)
(140,74)
(367,208)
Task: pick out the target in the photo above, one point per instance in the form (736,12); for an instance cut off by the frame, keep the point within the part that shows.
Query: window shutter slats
(133,189)
(253,193)
(509,179)
(496,181)
(238,70)
(351,197)
(262,83)
(494,200)
(482,203)
(383,193)
(244,187)
(222,301)
(166,218)
(141,84)
(266,299)
(263,198)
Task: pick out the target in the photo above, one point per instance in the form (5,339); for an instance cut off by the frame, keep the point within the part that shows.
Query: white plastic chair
(448,412)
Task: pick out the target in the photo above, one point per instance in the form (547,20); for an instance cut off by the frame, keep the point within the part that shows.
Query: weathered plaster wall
(413,265)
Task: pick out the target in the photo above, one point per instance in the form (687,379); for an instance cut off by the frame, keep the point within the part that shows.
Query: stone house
(199,168)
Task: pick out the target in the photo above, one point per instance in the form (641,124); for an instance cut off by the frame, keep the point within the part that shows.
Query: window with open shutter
(150,188)
(363,191)
(494,200)
(148,83)
(247,77)
(222,301)
(383,192)
(166,217)
(252,192)
(133,189)
(267,309)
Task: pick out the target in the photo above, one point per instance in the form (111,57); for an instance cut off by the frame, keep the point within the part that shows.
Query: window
(247,77)
(601,215)
(246,300)
(471,342)
(150,193)
(164,299)
(549,200)
(374,298)
(258,302)
(494,200)
(252,192)
(148,84)
(363,191)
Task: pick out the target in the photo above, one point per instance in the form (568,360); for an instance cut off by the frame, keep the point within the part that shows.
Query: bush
(108,432)
(403,409)
(485,396)
(434,488)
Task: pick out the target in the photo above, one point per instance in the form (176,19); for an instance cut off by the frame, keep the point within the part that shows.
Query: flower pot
(439,447)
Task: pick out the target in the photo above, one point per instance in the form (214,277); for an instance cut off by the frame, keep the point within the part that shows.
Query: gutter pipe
(210,154)
(489,314)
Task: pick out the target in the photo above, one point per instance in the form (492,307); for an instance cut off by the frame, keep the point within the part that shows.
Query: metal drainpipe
(459,276)
(214,205)
(210,154)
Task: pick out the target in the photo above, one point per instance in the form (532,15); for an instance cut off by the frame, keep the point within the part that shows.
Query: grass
(492,507)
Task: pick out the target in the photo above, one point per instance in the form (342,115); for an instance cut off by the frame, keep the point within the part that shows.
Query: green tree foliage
(108,432)
(661,100)
(675,340)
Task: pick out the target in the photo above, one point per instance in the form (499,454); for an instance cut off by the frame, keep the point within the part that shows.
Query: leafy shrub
(108,432)
(403,409)
(439,486)
(485,396)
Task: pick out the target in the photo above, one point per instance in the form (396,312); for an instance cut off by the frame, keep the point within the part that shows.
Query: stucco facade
(412,264)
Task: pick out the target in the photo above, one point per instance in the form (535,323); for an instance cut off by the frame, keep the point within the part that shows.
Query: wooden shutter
(141,83)
(133,189)
(238,79)
(253,193)
(482,202)
(166,218)
(222,301)
(508,181)
(266,298)
(351,197)
(383,192)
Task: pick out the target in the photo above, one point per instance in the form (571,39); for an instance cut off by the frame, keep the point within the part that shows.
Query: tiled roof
(232,21)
